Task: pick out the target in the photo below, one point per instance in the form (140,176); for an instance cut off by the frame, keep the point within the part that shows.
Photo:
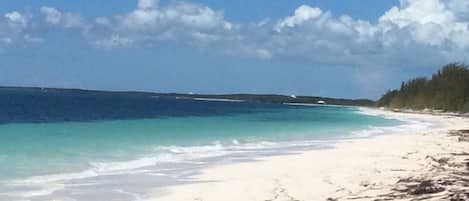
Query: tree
(447,90)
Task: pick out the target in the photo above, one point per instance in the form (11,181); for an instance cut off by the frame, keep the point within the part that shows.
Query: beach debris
(463,135)
(414,186)
(460,154)
(459,196)
(440,161)
(444,177)
(425,187)
(445,161)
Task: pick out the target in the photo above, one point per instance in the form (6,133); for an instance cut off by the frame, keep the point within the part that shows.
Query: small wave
(370,111)
(118,167)
(387,114)
(44,191)
(163,154)
(408,124)
(98,169)
(54,178)
(375,130)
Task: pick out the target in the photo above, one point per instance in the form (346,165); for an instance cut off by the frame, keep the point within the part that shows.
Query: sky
(335,48)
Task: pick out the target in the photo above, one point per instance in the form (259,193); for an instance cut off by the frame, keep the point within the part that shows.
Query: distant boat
(321,102)
(293,96)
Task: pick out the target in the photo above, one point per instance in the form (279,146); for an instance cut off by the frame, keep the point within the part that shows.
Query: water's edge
(133,180)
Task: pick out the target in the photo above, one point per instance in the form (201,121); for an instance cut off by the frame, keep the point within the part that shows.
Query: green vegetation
(447,90)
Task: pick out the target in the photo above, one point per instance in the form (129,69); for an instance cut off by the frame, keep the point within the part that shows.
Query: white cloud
(113,42)
(263,53)
(302,14)
(16,19)
(102,21)
(141,18)
(147,4)
(415,32)
(15,29)
(459,8)
(149,23)
(430,22)
(52,15)
(196,16)
(55,17)
(418,12)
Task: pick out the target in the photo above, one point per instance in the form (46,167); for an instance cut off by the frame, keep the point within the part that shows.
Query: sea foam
(408,125)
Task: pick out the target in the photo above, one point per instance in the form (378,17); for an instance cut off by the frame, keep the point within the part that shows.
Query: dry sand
(430,164)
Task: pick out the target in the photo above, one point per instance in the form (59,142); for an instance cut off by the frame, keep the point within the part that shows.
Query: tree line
(446,90)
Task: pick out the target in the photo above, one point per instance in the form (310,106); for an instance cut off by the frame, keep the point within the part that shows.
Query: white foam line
(410,123)
(35,193)
(315,104)
(218,100)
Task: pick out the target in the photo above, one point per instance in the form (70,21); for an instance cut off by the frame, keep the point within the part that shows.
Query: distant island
(447,90)
(273,98)
(264,98)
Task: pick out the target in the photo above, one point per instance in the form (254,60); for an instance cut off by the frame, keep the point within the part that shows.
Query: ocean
(120,149)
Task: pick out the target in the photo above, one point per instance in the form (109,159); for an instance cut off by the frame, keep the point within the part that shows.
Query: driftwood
(463,135)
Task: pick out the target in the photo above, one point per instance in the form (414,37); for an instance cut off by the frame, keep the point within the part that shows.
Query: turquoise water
(45,161)
(51,148)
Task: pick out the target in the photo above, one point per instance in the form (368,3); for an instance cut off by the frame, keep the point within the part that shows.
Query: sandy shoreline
(386,167)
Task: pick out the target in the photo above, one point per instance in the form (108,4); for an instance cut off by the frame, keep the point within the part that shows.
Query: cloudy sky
(339,48)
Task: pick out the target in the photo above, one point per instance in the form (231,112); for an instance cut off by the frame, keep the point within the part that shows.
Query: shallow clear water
(59,152)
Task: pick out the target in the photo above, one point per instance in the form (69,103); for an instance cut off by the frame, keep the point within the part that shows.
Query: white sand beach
(430,163)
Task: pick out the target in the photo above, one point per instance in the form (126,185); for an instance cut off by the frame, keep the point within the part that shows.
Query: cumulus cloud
(52,15)
(413,33)
(416,32)
(418,11)
(428,22)
(150,23)
(16,19)
(16,28)
(302,14)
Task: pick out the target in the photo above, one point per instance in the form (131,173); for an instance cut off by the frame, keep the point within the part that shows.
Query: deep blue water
(49,105)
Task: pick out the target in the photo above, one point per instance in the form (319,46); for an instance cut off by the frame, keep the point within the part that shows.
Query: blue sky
(353,48)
